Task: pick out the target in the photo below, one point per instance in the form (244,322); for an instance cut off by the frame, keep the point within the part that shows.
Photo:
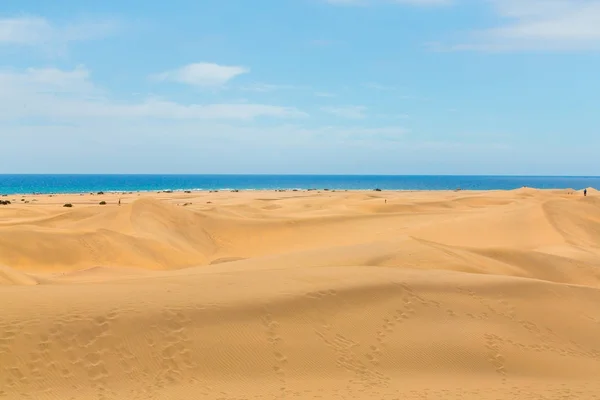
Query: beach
(301,294)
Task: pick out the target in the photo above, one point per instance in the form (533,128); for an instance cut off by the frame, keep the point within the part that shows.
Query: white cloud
(350,112)
(36,31)
(122,146)
(52,120)
(540,24)
(157,108)
(47,80)
(202,74)
(55,94)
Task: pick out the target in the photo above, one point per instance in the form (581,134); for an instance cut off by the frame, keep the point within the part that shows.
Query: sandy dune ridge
(254,295)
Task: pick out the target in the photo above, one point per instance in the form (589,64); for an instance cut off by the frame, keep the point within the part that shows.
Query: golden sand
(301,295)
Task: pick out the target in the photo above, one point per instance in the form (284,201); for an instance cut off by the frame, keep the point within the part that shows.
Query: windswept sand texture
(301,295)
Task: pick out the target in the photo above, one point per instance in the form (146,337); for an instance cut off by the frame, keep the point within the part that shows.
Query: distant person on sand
(584,192)
(119,201)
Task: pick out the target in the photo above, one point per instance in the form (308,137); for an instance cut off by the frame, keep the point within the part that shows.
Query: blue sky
(300,86)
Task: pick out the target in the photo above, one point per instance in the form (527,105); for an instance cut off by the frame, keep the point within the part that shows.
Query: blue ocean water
(11,184)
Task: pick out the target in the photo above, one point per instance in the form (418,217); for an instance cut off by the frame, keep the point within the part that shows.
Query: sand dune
(9,276)
(424,295)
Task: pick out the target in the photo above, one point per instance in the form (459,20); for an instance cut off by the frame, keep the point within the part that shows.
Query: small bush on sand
(102,203)
(69,205)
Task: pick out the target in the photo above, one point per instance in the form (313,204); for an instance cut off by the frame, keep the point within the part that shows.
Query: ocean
(45,184)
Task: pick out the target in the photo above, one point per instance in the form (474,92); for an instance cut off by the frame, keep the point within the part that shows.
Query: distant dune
(331,295)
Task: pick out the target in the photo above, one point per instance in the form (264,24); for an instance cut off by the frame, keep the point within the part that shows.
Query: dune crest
(145,234)
(9,276)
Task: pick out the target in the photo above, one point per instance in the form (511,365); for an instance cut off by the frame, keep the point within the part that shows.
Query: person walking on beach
(119,201)
(584,192)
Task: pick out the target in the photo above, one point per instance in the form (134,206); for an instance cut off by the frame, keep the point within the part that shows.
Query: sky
(300,87)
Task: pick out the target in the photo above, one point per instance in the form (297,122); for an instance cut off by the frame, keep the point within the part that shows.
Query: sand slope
(302,295)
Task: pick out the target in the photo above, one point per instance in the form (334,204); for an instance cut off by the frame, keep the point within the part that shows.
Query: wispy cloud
(135,146)
(202,74)
(539,25)
(37,31)
(48,80)
(350,112)
(55,94)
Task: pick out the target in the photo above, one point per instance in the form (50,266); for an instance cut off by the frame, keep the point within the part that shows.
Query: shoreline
(208,191)
(85,184)
(220,197)
(297,190)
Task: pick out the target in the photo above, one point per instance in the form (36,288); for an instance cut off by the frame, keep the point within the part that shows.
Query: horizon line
(298,174)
